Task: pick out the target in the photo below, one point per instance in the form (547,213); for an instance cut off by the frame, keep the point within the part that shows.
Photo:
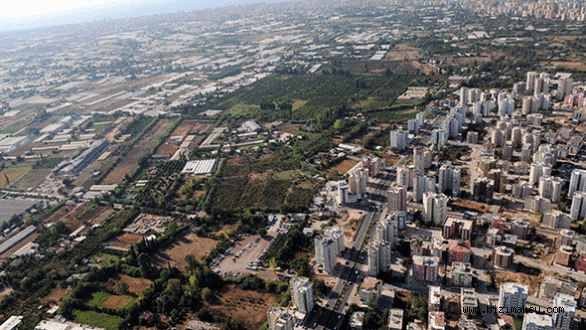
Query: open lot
(125,240)
(56,295)
(246,251)
(135,285)
(345,166)
(247,307)
(189,244)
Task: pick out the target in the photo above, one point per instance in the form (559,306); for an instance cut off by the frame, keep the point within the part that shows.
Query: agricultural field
(126,240)
(97,319)
(9,176)
(164,181)
(269,182)
(75,216)
(190,244)
(247,307)
(139,150)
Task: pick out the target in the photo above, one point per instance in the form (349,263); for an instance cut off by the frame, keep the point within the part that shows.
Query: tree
(122,287)
(208,295)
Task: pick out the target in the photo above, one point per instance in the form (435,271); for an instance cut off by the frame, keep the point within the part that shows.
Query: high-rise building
(328,246)
(516,135)
(422,158)
(512,298)
(373,165)
(397,199)
(530,85)
(449,179)
(577,182)
(405,175)
(425,269)
(343,196)
(325,255)
(464,95)
(550,187)
(435,208)
(302,294)
(357,181)
(398,139)
(388,228)
(578,208)
(483,189)
(564,307)
(439,137)
(538,170)
(421,185)
(379,257)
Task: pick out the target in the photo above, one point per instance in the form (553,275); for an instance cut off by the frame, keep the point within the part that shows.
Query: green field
(104,260)
(98,299)
(96,319)
(313,95)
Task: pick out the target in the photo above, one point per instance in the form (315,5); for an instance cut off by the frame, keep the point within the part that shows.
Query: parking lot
(244,255)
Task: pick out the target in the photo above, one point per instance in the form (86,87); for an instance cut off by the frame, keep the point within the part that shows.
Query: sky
(26,14)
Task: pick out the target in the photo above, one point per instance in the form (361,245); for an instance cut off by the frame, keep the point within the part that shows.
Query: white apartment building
(398,139)
(564,309)
(533,321)
(512,298)
(422,184)
(550,187)
(577,181)
(449,179)
(379,257)
(435,208)
(302,294)
(578,208)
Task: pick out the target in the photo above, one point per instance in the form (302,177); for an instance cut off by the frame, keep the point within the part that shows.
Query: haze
(31,14)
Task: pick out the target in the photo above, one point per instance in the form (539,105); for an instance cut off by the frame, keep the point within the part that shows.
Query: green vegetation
(307,97)
(98,299)
(96,319)
(286,248)
(453,153)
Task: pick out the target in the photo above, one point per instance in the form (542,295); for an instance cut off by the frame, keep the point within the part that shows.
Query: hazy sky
(27,8)
(26,14)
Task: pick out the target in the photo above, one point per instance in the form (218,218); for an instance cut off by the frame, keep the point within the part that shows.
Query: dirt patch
(247,307)
(126,240)
(532,282)
(472,205)
(571,65)
(135,285)
(403,52)
(345,166)
(189,244)
(56,295)
(534,219)
(116,301)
